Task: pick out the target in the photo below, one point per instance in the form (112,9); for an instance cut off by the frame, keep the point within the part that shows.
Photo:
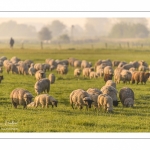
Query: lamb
(80,98)
(40,74)
(12,67)
(77,72)
(112,92)
(45,100)
(30,105)
(108,70)
(43,85)
(20,96)
(126,96)
(51,77)
(104,100)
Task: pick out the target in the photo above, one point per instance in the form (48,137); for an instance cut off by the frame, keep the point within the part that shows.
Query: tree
(124,30)
(44,34)
(56,27)
(64,38)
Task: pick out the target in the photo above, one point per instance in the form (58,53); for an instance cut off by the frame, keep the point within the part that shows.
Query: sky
(40,22)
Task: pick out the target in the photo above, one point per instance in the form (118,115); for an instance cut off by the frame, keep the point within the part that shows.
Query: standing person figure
(11,42)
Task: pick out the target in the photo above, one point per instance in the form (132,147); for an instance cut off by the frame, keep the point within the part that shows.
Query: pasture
(63,118)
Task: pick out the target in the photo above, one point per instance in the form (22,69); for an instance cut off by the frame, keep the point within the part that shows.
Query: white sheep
(80,98)
(106,102)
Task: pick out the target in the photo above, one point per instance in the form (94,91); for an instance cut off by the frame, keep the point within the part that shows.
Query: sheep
(39,66)
(40,74)
(126,96)
(51,77)
(112,92)
(100,72)
(30,105)
(110,83)
(23,69)
(143,68)
(43,85)
(127,66)
(80,98)
(46,67)
(93,74)
(1,78)
(115,63)
(77,72)
(104,100)
(62,69)
(85,64)
(77,63)
(125,76)
(11,67)
(31,70)
(53,64)
(45,100)
(138,76)
(108,77)
(86,71)
(94,93)
(108,70)
(71,61)
(20,96)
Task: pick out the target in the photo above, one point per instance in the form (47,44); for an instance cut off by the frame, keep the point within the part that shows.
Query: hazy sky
(39,22)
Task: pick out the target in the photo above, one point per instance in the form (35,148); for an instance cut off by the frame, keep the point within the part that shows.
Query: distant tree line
(124,30)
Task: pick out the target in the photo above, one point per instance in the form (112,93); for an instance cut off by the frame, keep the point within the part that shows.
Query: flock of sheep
(105,98)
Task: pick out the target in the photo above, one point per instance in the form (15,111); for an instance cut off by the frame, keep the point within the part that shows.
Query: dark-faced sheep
(80,98)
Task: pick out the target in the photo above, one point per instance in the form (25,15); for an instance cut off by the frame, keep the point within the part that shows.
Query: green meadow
(63,118)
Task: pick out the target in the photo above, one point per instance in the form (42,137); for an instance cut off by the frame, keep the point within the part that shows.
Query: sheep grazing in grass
(126,96)
(106,102)
(112,92)
(77,72)
(45,100)
(62,69)
(20,96)
(80,98)
(43,85)
(40,74)
(51,77)
(138,76)
(94,93)
(110,83)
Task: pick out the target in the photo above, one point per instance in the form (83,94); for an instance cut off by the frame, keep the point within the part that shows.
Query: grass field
(64,118)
